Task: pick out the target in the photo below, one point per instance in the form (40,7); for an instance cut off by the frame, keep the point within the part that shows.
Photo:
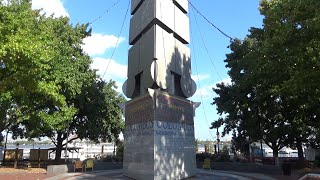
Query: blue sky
(234,17)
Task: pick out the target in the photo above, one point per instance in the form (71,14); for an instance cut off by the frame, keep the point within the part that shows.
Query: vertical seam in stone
(154,120)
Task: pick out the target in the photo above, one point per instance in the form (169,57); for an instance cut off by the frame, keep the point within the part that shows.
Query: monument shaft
(159,134)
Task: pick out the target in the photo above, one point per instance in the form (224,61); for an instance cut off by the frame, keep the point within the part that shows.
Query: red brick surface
(23,174)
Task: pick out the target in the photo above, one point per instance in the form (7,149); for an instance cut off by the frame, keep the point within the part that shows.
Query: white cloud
(114,71)
(50,7)
(207,92)
(97,44)
(204,92)
(225,81)
(200,77)
(119,87)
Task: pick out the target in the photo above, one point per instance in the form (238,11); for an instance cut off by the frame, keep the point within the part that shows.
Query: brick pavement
(23,174)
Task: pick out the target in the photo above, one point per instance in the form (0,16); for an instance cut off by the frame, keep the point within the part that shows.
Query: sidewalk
(40,174)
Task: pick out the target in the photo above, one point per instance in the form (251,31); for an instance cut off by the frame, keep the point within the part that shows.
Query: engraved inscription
(174,110)
(139,111)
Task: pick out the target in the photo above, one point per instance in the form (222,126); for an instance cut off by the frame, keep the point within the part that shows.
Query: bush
(201,156)
(119,155)
(109,158)
(222,158)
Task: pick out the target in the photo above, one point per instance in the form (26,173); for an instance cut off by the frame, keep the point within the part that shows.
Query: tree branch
(70,140)
(267,143)
(53,141)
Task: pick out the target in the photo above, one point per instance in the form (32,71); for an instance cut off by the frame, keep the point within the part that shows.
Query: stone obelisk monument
(159,140)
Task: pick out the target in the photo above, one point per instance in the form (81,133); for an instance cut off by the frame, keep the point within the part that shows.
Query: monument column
(159,133)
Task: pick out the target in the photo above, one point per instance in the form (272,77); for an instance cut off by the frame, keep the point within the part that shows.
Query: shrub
(222,158)
(108,158)
(201,156)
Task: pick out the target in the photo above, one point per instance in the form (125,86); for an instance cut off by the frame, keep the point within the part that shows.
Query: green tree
(98,118)
(22,59)
(47,81)
(246,103)
(274,74)
(292,28)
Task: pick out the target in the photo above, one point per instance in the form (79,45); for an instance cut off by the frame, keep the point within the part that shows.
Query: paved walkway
(40,174)
(202,174)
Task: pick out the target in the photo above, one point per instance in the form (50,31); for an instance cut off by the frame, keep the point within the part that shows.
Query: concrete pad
(59,169)
(118,175)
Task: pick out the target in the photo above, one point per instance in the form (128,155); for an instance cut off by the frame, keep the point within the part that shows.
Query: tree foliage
(275,70)
(47,85)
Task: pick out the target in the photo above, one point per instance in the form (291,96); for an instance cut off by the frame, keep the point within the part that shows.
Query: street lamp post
(66,151)
(218,140)
(16,156)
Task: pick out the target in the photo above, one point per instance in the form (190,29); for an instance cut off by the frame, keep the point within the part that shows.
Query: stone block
(134,5)
(135,28)
(188,85)
(182,4)
(156,55)
(181,26)
(183,68)
(58,169)
(156,45)
(162,75)
(169,16)
(165,12)
(182,58)
(128,87)
(147,48)
(148,14)
(163,125)
(134,60)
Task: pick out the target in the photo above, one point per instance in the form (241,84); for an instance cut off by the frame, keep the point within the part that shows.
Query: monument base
(148,176)
(159,138)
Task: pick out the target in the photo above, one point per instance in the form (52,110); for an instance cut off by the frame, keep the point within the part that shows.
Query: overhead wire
(205,46)
(118,38)
(204,17)
(199,84)
(104,13)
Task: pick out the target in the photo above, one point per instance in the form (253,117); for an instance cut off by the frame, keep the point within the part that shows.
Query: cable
(115,47)
(99,17)
(225,34)
(207,51)
(198,79)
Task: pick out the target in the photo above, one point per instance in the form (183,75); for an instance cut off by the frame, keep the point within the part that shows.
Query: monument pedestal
(159,140)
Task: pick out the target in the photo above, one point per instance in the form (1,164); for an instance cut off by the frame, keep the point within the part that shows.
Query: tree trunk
(275,151)
(300,154)
(59,147)
(276,155)
(300,150)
